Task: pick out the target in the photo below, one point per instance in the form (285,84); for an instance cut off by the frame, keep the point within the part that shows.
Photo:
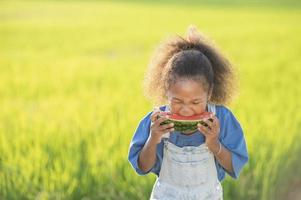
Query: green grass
(71,95)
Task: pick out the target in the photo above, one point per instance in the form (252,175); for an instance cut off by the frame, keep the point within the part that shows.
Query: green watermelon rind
(185,126)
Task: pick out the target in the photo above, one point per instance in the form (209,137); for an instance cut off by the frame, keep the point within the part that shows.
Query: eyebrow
(197,99)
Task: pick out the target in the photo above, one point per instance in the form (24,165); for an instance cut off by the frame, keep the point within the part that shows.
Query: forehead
(187,89)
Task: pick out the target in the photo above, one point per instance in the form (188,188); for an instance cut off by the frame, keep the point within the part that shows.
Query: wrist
(215,148)
(153,141)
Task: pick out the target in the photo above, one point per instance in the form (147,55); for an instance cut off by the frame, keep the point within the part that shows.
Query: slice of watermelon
(187,124)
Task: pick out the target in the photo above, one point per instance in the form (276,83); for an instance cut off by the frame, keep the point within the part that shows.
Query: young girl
(190,76)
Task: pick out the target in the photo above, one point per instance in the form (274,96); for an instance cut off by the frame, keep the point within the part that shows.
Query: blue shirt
(231,136)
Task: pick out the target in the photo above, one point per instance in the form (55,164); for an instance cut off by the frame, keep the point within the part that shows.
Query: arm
(211,133)
(147,156)
(233,155)
(223,156)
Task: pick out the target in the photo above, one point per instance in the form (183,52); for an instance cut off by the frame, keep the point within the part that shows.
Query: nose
(186,111)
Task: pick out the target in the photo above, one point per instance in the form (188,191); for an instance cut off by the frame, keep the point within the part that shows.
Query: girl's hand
(211,133)
(157,130)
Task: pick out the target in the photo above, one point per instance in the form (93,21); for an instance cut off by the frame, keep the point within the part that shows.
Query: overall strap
(211,108)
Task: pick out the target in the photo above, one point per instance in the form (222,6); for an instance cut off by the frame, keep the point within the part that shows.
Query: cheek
(196,109)
(174,107)
(199,108)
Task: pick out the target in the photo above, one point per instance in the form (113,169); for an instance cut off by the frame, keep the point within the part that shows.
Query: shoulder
(222,111)
(225,115)
(146,119)
(229,124)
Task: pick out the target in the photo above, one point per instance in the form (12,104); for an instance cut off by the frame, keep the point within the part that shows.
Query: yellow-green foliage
(71,95)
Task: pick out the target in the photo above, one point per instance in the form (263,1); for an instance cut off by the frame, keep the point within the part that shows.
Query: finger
(158,126)
(164,131)
(210,123)
(166,126)
(161,119)
(154,115)
(163,127)
(216,121)
(205,123)
(214,124)
(204,130)
(168,130)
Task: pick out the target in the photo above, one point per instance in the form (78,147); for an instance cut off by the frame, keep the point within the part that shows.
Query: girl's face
(187,97)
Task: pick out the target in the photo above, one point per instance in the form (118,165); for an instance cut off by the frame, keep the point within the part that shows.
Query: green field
(71,94)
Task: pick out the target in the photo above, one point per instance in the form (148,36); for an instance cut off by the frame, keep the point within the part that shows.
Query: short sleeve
(139,139)
(232,138)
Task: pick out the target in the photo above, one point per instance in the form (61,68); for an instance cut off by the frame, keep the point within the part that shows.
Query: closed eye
(176,101)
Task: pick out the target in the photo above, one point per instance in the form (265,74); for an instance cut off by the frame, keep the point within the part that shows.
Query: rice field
(71,93)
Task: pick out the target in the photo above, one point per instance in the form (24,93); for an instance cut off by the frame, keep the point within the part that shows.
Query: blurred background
(71,92)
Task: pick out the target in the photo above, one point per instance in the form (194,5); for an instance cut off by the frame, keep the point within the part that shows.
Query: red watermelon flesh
(202,116)
(186,124)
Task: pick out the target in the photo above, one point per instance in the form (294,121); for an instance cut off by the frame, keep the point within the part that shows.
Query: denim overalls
(187,173)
